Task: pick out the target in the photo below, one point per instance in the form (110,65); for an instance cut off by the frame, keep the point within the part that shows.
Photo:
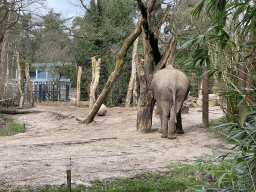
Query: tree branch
(151,5)
(143,9)
(84,6)
(148,33)
(170,52)
(162,20)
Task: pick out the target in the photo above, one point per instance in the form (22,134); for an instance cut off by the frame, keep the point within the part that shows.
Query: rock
(72,99)
(102,111)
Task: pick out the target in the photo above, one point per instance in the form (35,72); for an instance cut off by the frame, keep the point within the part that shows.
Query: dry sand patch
(108,147)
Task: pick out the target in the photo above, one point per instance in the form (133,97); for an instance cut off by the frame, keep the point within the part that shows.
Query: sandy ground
(108,147)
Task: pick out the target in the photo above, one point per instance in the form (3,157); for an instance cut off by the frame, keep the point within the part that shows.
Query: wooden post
(205,92)
(67,92)
(133,75)
(78,92)
(53,92)
(19,81)
(69,180)
(241,85)
(30,91)
(95,80)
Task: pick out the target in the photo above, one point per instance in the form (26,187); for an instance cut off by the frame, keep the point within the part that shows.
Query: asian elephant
(170,87)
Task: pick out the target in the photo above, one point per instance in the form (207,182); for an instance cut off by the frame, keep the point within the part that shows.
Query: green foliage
(195,75)
(55,45)
(238,173)
(222,31)
(12,128)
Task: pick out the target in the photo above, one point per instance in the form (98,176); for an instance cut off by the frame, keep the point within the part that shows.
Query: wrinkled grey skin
(170,87)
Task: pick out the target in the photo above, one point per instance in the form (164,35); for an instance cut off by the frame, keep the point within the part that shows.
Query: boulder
(102,111)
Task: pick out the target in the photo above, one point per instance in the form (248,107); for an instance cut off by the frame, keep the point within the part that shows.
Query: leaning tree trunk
(133,75)
(95,80)
(114,75)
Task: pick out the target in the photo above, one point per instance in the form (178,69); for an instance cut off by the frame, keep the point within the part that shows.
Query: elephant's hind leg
(164,114)
(179,129)
(171,129)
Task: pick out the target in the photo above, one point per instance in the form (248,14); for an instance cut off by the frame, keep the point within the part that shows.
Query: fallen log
(18,111)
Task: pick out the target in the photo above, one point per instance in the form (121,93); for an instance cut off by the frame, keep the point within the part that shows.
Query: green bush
(239,172)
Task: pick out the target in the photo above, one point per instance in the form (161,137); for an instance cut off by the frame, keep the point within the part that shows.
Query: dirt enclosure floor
(110,146)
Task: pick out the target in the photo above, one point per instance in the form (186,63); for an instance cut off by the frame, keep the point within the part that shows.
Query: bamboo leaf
(235,87)
(187,43)
(201,40)
(238,12)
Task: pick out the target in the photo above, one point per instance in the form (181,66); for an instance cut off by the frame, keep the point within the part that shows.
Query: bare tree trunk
(4,57)
(133,74)
(114,75)
(152,57)
(251,66)
(30,90)
(78,92)
(4,53)
(95,80)
(19,82)
(7,85)
(146,102)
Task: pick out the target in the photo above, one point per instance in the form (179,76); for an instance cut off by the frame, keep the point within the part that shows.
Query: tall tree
(10,13)
(55,45)
(101,33)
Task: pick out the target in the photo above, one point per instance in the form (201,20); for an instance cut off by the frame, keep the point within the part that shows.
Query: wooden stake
(30,91)
(79,75)
(95,80)
(205,92)
(133,75)
(19,81)
(69,180)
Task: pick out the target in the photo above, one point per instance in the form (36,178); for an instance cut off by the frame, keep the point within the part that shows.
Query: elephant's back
(169,79)
(170,75)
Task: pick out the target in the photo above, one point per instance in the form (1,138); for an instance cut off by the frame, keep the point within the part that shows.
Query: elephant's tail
(174,103)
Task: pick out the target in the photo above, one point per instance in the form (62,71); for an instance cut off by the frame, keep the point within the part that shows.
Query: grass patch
(84,106)
(25,107)
(179,178)
(12,128)
(147,182)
